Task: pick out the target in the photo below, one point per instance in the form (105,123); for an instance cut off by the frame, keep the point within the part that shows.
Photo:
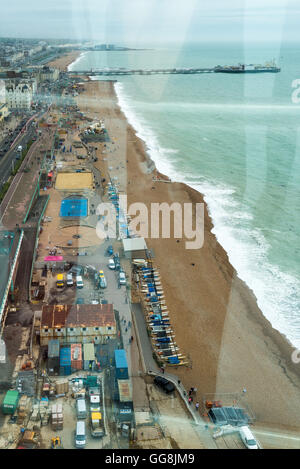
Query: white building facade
(19,94)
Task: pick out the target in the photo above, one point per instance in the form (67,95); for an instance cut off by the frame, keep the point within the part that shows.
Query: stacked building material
(76,357)
(44,411)
(57,420)
(62,387)
(22,409)
(35,416)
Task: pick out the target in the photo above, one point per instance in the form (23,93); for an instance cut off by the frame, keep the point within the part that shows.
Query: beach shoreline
(63,62)
(230,344)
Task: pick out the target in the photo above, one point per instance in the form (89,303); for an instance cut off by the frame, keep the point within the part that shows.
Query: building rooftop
(134,244)
(59,316)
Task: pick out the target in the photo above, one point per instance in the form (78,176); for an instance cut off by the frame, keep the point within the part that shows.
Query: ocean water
(236,139)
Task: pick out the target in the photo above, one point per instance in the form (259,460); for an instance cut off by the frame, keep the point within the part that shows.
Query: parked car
(102,279)
(80,301)
(111,264)
(109,251)
(122,278)
(76,270)
(164,384)
(79,281)
(117,261)
(70,282)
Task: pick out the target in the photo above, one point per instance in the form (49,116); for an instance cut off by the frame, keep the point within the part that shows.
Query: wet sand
(218,325)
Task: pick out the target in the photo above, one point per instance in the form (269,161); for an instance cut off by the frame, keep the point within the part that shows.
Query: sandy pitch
(74,181)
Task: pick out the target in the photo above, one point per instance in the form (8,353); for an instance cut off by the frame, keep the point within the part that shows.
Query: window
(83,329)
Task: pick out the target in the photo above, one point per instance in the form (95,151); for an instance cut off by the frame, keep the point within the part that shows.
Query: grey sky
(134,21)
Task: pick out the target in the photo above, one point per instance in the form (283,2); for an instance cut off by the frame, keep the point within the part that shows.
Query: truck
(96,416)
(81,408)
(97,425)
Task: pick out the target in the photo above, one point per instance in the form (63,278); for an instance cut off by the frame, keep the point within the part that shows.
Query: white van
(80,438)
(81,409)
(248,438)
(111,264)
(122,278)
(79,281)
(70,282)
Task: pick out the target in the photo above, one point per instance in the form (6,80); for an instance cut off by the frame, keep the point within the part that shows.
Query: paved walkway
(151,368)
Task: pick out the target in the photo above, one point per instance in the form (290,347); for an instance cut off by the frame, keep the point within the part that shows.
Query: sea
(234,138)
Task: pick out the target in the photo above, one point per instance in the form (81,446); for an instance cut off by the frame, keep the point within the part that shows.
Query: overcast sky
(136,21)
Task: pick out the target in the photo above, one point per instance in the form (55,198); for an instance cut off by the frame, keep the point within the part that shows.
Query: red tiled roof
(59,316)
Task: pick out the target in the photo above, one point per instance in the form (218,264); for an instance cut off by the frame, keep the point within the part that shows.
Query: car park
(164,384)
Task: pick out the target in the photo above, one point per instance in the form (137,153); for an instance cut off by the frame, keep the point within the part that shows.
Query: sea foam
(277,292)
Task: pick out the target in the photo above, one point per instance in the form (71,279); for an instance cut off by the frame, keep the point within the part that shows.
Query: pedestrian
(190,400)
(244,390)
(179,382)
(162,370)
(197,405)
(190,392)
(131,338)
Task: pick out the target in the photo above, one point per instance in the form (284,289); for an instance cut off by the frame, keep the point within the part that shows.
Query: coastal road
(8,161)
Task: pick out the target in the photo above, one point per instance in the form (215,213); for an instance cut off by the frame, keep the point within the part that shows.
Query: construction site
(84,317)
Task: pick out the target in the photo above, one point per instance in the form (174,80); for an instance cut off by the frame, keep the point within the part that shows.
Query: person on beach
(197,405)
(190,400)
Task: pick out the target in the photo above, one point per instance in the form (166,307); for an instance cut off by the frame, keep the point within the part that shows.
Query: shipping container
(53,357)
(76,357)
(10,402)
(125,390)
(89,357)
(53,348)
(65,361)
(121,364)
